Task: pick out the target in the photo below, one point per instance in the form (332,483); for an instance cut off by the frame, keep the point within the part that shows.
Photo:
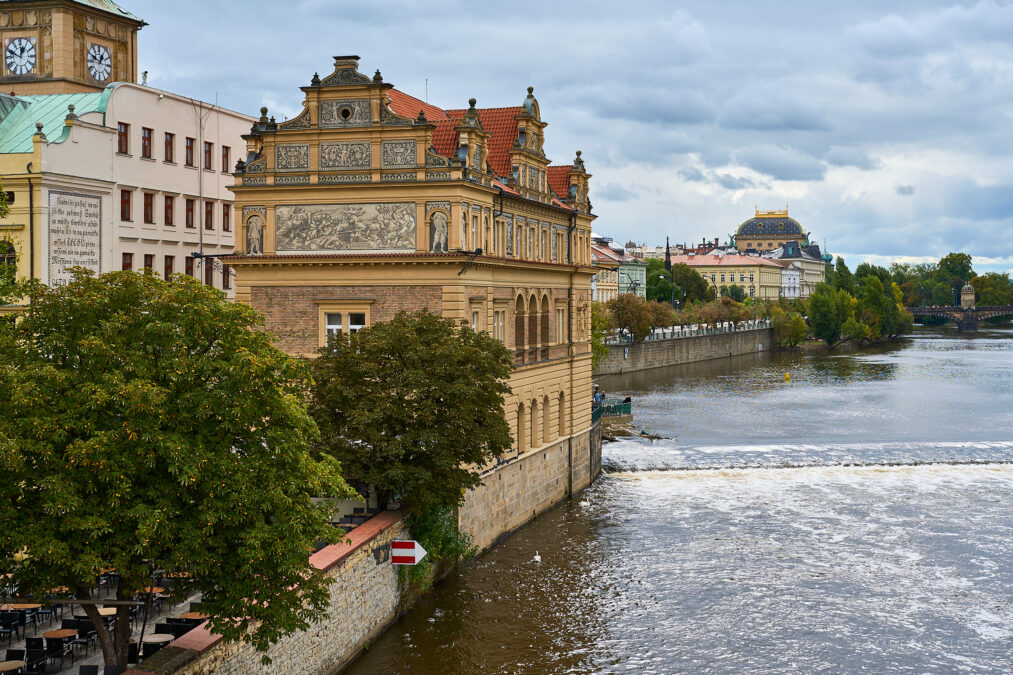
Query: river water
(855,519)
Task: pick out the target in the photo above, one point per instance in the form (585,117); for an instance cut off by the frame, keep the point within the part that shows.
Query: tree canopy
(693,286)
(412,405)
(149,425)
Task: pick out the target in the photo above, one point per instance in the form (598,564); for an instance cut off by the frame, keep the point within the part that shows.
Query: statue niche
(255,235)
(438,232)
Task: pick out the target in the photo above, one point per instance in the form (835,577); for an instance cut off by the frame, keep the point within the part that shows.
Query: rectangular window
(742,277)
(190,142)
(474,321)
(149,261)
(125,204)
(149,207)
(499,325)
(208,152)
(226,164)
(188,265)
(170,147)
(750,278)
(332,325)
(209,273)
(146,134)
(209,215)
(226,277)
(190,206)
(128,261)
(226,217)
(722,278)
(170,262)
(123,138)
(170,206)
(560,325)
(356,321)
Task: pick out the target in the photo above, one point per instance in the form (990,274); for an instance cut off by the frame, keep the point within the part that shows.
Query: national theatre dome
(767,230)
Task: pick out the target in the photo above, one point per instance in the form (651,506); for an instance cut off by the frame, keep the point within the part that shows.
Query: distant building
(605,283)
(768,230)
(811,263)
(791,280)
(633,276)
(760,277)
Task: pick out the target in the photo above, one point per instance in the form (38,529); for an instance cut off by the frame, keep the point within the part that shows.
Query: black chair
(133,654)
(7,628)
(59,649)
(113,670)
(35,643)
(35,662)
(86,630)
(44,614)
(68,623)
(149,649)
(163,628)
(10,620)
(15,655)
(87,670)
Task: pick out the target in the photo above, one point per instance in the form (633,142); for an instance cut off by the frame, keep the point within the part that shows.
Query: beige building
(62,46)
(370,202)
(760,277)
(605,283)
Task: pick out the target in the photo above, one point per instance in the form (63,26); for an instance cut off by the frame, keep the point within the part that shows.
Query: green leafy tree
(797,329)
(694,287)
(854,330)
(600,321)
(659,283)
(150,425)
(842,278)
(412,406)
(789,328)
(662,314)
(954,269)
(866,269)
(829,309)
(630,315)
(993,288)
(736,292)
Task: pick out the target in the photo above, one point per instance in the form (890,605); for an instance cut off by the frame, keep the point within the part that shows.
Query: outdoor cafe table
(154,590)
(60,634)
(107,611)
(158,638)
(20,606)
(193,616)
(11,666)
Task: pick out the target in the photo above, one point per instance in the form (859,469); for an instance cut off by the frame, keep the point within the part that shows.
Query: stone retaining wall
(674,352)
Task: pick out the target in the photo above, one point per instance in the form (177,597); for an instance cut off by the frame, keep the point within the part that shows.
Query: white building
(791,280)
(126,178)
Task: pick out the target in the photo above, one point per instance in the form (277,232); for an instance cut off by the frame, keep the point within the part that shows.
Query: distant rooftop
(21,113)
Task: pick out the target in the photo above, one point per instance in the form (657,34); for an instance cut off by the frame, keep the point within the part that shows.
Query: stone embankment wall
(676,351)
(516,492)
(366,596)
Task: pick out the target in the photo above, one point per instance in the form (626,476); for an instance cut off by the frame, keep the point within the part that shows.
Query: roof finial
(531,91)
(263,114)
(316,80)
(70,112)
(378,78)
(472,102)
(38,127)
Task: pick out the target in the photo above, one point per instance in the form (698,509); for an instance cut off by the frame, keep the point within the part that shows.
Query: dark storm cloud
(773,101)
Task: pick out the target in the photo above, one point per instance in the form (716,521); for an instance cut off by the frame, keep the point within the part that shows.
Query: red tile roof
(559,180)
(604,253)
(408,106)
(502,124)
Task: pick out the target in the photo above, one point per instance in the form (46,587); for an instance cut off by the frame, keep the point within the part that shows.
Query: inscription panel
(345,227)
(75,234)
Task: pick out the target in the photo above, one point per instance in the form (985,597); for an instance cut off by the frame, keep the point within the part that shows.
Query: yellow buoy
(787,377)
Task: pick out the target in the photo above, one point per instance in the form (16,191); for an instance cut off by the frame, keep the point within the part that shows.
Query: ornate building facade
(371,201)
(62,46)
(768,230)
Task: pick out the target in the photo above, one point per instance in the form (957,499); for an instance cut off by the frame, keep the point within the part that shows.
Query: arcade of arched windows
(539,325)
(541,420)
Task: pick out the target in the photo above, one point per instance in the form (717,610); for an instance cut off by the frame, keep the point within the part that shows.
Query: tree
(829,309)
(412,406)
(854,330)
(797,329)
(692,284)
(659,283)
(993,288)
(661,314)
(630,315)
(954,269)
(736,292)
(600,320)
(789,329)
(149,425)
(843,280)
(866,269)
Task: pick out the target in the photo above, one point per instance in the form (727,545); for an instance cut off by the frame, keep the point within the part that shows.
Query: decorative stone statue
(255,235)
(438,232)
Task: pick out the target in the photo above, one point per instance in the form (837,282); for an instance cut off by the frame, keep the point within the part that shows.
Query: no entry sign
(408,552)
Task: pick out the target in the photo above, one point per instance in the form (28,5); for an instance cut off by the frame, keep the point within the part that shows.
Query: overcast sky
(886,127)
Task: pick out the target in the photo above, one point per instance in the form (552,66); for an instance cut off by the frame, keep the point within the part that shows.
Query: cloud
(760,110)
(781,163)
(693,175)
(905,190)
(731,182)
(847,156)
(615,192)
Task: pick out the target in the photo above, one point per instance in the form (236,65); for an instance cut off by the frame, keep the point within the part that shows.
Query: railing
(693,330)
(611,407)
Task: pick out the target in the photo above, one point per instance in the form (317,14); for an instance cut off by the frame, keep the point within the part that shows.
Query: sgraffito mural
(345,227)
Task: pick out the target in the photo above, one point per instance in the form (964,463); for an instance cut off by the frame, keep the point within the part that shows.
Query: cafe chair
(87,670)
(36,662)
(59,649)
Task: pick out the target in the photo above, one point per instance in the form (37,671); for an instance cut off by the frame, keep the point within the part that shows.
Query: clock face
(99,63)
(20,56)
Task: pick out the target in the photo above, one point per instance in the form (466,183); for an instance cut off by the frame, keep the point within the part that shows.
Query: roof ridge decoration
(346,73)
(471,117)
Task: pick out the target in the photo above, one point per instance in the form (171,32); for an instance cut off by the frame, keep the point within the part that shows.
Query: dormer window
(522,137)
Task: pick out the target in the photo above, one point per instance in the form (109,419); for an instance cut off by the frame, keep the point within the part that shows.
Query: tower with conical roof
(66,46)
(668,256)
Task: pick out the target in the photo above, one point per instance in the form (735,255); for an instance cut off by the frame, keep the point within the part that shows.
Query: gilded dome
(771,224)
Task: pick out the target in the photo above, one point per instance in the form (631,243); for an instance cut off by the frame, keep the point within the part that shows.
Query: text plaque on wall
(75,234)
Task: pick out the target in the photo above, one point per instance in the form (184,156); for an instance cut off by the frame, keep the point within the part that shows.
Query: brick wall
(292,316)
(660,353)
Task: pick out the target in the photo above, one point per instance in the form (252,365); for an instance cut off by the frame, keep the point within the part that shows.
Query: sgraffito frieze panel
(432,206)
(432,159)
(346,178)
(351,155)
(258,180)
(292,180)
(397,177)
(303,121)
(345,113)
(345,227)
(438,175)
(247,210)
(292,157)
(398,154)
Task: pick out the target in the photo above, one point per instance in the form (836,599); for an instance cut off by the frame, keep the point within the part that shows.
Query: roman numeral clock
(19,55)
(99,63)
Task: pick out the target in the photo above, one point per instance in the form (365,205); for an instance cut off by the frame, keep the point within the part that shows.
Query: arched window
(533,323)
(562,414)
(534,424)
(544,328)
(522,428)
(519,327)
(546,424)
(8,262)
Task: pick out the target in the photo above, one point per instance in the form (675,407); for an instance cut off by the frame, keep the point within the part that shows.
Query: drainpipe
(31,224)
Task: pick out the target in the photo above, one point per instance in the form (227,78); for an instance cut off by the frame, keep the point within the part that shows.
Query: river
(855,519)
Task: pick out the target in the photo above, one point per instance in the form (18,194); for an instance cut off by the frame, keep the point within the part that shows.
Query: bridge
(966,318)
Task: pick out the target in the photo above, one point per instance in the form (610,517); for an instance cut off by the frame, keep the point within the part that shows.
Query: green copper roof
(18,124)
(102,5)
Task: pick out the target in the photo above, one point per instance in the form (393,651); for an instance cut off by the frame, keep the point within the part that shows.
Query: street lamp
(634,283)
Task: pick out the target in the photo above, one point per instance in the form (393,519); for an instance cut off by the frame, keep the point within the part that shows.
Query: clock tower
(66,46)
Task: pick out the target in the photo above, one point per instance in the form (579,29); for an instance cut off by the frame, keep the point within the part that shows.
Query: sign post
(406,552)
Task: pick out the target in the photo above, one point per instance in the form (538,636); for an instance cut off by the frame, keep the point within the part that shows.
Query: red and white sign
(408,552)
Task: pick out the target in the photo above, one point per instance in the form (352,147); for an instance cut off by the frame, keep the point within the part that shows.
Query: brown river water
(857,519)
